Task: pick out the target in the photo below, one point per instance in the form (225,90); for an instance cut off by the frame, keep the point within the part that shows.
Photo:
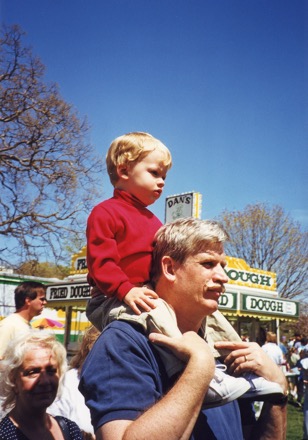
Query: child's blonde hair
(132,148)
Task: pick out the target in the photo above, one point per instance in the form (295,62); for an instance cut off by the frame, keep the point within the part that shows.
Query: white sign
(183,205)
(270,306)
(228,301)
(68,292)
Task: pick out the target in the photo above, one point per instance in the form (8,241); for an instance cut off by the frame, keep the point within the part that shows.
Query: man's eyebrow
(211,256)
(206,255)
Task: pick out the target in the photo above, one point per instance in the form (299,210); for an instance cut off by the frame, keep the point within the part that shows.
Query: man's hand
(140,299)
(249,356)
(188,346)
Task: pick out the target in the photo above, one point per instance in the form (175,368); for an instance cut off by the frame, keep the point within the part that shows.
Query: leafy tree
(48,171)
(45,269)
(301,326)
(267,238)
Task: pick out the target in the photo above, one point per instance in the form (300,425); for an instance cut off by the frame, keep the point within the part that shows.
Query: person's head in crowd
(31,371)
(297,337)
(131,148)
(271,337)
(304,341)
(188,268)
(303,354)
(87,342)
(30,295)
(184,238)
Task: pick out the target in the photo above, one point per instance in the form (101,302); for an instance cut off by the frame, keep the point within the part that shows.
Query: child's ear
(122,171)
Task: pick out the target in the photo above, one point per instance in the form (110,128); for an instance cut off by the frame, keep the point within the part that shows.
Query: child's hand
(140,299)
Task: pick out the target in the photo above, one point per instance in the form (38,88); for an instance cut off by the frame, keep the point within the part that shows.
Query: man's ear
(122,171)
(27,301)
(168,267)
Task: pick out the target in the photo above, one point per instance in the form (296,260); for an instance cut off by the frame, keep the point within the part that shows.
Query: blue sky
(223,83)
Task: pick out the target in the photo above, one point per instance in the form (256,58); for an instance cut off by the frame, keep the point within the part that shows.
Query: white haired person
(31,371)
(71,402)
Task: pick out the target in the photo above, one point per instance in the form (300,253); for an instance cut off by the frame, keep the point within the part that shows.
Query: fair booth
(251,302)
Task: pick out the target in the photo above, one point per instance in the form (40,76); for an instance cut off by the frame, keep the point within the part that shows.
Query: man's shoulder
(123,337)
(119,345)
(14,321)
(277,349)
(130,330)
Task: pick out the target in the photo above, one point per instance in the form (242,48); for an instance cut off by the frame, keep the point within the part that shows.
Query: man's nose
(221,275)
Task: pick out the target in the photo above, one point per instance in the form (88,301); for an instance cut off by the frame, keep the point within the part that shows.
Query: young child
(120,230)
(120,233)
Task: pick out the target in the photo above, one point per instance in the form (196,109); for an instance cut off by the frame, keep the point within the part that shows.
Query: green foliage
(301,326)
(45,270)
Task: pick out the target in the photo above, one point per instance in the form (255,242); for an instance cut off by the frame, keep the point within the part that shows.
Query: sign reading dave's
(66,292)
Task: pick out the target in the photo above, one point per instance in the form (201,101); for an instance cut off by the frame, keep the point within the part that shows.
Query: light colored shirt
(274,352)
(71,403)
(10,327)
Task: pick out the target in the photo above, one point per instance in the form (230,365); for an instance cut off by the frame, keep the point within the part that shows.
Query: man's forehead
(212,248)
(215,252)
(40,292)
(211,254)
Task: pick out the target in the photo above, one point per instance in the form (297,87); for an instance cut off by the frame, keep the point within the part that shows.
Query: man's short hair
(271,337)
(183,238)
(27,289)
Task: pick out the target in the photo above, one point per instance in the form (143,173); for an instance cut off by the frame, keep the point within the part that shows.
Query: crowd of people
(294,352)
(288,354)
(160,361)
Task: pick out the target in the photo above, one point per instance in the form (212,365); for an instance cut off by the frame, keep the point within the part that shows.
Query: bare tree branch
(49,173)
(266,238)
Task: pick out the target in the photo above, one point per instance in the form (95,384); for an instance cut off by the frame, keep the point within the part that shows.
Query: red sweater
(120,234)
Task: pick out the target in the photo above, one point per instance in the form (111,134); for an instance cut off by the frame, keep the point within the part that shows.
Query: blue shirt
(123,375)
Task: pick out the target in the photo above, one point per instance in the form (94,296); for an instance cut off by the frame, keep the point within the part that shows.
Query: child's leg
(99,308)
(217,329)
